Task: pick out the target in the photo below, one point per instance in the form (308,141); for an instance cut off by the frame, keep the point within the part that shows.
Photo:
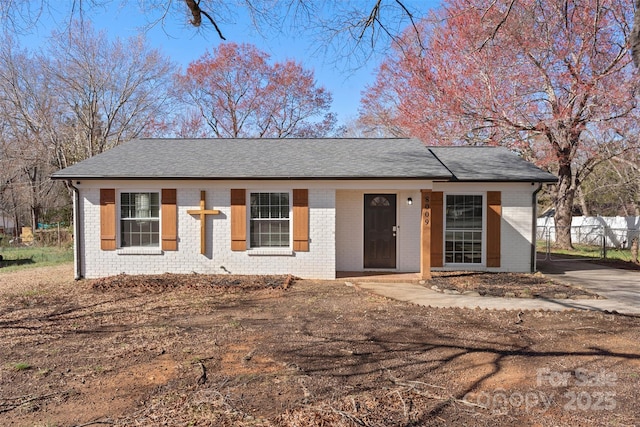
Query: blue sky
(183,44)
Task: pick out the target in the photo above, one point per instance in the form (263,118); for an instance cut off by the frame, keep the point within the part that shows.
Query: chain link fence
(590,242)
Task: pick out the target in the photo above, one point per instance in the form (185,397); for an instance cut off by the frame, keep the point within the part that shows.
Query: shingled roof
(471,163)
(302,159)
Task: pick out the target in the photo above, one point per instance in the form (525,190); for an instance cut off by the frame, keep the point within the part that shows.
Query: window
(463,235)
(139,219)
(380,201)
(270,221)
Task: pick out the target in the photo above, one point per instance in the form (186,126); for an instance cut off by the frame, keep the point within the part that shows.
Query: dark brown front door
(380,231)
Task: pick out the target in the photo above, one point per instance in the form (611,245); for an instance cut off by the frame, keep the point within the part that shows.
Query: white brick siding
(349,230)
(409,231)
(516,225)
(336,216)
(319,262)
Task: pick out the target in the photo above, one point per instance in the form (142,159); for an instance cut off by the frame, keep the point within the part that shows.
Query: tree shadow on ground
(14,262)
(319,347)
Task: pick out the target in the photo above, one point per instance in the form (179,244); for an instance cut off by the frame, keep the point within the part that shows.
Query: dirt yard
(195,350)
(508,285)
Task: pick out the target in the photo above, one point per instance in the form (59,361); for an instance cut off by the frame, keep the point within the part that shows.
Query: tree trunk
(634,249)
(564,207)
(14,208)
(16,223)
(583,202)
(35,218)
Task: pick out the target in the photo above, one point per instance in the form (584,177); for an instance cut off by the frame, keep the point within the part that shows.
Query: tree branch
(197,12)
(500,24)
(635,36)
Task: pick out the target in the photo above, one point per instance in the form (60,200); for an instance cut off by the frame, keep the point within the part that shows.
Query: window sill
(464,264)
(270,252)
(463,267)
(139,251)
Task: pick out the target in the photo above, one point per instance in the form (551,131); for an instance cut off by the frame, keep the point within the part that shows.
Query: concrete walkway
(620,287)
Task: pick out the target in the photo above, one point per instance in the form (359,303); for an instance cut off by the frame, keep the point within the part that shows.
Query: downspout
(534,204)
(76,231)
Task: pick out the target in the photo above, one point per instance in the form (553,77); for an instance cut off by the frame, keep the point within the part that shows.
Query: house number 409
(426,213)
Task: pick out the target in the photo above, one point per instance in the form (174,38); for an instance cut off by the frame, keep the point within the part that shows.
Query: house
(307,207)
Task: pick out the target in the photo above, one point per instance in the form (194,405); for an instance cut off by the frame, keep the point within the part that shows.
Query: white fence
(606,231)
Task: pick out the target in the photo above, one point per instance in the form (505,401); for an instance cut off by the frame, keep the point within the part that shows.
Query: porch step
(378,276)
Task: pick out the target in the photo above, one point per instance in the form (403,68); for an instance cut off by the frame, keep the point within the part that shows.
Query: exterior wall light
(409,201)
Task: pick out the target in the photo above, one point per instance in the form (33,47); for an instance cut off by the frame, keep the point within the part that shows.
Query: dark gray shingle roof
(282,159)
(488,164)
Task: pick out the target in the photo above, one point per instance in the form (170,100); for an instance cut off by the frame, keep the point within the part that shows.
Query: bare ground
(510,285)
(199,350)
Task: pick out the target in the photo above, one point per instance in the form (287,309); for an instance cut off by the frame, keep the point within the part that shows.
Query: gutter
(76,231)
(534,226)
(259,178)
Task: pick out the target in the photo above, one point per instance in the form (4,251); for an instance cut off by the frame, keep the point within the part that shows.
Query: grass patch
(21,366)
(619,254)
(29,257)
(32,293)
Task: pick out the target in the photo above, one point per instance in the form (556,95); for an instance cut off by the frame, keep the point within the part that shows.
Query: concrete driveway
(620,287)
(612,283)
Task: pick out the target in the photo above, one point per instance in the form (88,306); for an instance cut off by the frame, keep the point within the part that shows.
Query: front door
(379,231)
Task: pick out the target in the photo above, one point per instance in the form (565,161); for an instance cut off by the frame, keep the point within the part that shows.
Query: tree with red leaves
(239,94)
(550,79)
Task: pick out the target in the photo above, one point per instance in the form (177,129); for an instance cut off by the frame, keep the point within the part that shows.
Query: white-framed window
(139,219)
(270,219)
(464,219)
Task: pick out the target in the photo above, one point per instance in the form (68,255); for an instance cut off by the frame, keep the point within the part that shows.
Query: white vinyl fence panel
(618,231)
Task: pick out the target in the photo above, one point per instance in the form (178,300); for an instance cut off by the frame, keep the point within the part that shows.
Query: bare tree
(88,96)
(28,114)
(614,187)
(108,94)
(346,30)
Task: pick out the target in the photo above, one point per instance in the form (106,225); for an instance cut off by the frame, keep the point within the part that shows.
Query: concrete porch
(378,276)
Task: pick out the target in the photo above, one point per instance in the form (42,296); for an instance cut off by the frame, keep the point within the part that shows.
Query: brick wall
(349,230)
(517,232)
(336,229)
(516,222)
(319,262)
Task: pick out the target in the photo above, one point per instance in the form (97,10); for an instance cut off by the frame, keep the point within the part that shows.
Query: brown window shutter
(301,220)
(437,229)
(238,219)
(169,220)
(494,213)
(107,219)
